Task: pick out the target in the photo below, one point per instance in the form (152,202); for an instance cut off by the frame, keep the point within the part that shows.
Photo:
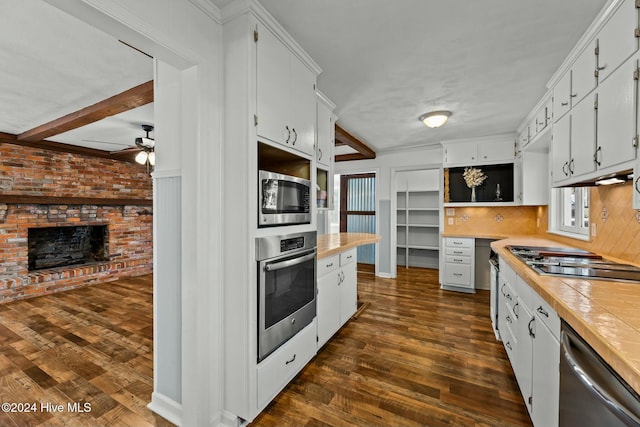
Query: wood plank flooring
(91,345)
(416,356)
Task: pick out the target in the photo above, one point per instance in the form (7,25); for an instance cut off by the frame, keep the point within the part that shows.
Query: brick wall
(36,172)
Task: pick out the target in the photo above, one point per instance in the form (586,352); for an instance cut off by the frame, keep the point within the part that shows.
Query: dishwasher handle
(616,407)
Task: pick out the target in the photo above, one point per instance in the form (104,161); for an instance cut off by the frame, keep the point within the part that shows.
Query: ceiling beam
(345,138)
(125,101)
(9,138)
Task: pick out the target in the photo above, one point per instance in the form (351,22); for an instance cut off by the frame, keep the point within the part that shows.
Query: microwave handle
(289,263)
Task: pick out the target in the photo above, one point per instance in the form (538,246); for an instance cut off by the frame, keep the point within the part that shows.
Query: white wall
(184,36)
(385,165)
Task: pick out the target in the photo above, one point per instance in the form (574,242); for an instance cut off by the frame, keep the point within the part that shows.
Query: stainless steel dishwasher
(591,393)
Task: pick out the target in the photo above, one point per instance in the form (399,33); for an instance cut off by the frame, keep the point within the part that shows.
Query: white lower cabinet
(337,298)
(530,331)
(459,264)
(284,363)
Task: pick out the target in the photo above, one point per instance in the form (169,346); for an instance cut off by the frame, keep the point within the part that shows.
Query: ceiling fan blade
(126,150)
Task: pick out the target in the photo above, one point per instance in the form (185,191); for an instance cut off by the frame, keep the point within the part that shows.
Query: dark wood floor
(416,356)
(91,345)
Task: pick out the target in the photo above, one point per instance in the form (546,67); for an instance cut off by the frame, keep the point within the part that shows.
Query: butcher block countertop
(331,244)
(605,313)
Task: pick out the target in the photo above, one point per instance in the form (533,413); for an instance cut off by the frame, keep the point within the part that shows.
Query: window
(571,213)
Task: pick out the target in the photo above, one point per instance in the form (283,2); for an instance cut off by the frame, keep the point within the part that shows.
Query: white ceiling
(384,63)
(54,64)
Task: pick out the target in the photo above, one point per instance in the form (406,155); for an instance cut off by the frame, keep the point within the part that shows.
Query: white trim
(509,136)
(166,408)
(209,8)
(532,114)
(384,275)
(570,235)
(166,174)
(326,101)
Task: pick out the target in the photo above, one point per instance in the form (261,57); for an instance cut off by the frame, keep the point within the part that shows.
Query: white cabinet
(486,151)
(535,177)
(284,363)
(285,95)
(583,76)
(337,298)
(418,218)
(562,96)
(617,40)
(530,329)
(583,137)
(325,136)
(459,268)
(561,149)
(616,117)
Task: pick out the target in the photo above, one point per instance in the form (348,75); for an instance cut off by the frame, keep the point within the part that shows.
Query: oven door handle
(614,406)
(289,263)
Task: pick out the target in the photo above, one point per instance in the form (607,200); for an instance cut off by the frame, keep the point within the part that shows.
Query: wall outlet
(450,222)
(451,212)
(593,230)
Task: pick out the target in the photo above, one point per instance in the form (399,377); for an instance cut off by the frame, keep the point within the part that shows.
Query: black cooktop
(575,263)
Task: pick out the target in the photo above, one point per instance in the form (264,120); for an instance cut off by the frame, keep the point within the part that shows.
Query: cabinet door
(583,137)
(583,78)
(524,368)
(616,40)
(348,292)
(325,122)
(272,87)
(546,377)
(302,106)
(561,149)
(535,178)
(561,92)
(499,151)
(463,153)
(327,306)
(616,117)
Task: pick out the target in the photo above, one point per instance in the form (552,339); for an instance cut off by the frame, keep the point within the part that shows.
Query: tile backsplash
(499,220)
(617,224)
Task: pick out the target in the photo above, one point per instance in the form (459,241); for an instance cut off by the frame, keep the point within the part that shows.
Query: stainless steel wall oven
(286,288)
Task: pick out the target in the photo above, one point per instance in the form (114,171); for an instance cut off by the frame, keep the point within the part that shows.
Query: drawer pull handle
(542,311)
(457,274)
(329,265)
(458,260)
(508,345)
(290,361)
(508,296)
(516,309)
(509,319)
(457,252)
(532,333)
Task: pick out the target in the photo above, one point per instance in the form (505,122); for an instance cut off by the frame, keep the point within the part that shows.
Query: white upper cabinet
(561,96)
(583,76)
(616,117)
(285,95)
(617,40)
(561,149)
(485,152)
(326,129)
(583,137)
(461,153)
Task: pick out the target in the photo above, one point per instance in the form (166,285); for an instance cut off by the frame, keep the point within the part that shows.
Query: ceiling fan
(145,146)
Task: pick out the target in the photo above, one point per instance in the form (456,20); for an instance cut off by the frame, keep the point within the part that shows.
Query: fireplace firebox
(52,247)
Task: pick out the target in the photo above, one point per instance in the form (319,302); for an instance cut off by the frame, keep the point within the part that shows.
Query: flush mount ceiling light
(435,119)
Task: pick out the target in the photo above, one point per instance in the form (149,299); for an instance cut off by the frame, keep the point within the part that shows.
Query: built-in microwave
(283,199)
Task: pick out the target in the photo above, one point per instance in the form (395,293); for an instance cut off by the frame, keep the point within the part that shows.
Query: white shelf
(418,228)
(479,204)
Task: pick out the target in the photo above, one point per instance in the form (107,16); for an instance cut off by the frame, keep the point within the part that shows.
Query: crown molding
(209,8)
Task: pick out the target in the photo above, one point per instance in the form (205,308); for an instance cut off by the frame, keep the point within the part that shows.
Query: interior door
(358,210)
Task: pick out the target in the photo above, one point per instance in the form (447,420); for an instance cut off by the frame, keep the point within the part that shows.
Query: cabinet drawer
(283,364)
(542,310)
(507,274)
(456,259)
(525,293)
(508,340)
(327,265)
(348,257)
(458,251)
(456,242)
(456,274)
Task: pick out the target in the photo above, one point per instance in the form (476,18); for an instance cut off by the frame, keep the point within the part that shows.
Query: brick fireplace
(55,203)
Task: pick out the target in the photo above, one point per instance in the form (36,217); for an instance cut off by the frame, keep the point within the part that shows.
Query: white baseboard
(166,408)
(384,275)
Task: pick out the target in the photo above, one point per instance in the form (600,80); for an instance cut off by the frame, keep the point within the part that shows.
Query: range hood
(607,179)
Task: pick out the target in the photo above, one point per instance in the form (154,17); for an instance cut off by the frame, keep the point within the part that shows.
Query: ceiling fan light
(141,157)
(152,158)
(435,119)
